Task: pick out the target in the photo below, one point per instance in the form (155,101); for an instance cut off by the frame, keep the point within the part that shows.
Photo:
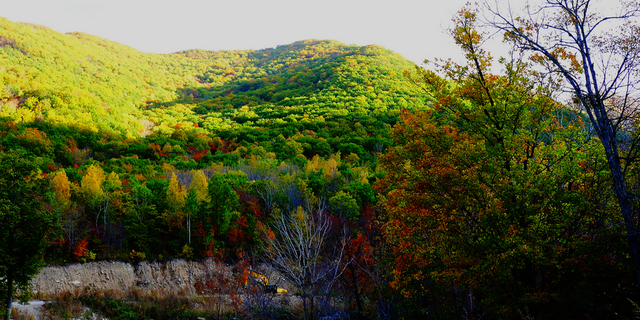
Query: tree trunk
(10,242)
(106,207)
(304,302)
(357,292)
(626,207)
(9,295)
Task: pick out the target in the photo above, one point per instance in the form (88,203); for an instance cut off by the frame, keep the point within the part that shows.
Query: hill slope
(124,137)
(104,86)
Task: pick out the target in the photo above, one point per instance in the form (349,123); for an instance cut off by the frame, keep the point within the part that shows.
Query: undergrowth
(136,304)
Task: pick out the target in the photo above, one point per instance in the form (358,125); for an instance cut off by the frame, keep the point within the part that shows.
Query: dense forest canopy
(466,196)
(193,154)
(82,80)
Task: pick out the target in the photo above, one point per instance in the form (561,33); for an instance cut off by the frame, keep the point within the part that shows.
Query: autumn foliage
(492,196)
(447,193)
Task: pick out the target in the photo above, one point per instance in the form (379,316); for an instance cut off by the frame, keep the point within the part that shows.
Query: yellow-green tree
(200,185)
(91,184)
(176,194)
(197,194)
(93,193)
(61,189)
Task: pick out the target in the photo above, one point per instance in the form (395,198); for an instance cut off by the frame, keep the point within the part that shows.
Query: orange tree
(492,198)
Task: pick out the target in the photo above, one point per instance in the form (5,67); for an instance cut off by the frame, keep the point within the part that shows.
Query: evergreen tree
(24,223)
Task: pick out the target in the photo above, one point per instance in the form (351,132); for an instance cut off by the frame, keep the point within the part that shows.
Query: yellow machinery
(270,288)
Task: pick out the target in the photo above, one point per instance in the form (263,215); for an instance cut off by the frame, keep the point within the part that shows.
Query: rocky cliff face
(172,276)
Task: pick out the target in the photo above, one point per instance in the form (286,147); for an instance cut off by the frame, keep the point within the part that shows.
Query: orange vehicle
(270,288)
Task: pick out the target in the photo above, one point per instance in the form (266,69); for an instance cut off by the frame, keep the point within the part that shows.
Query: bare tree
(268,192)
(594,51)
(260,303)
(299,252)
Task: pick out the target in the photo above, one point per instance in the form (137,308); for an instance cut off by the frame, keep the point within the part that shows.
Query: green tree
(592,50)
(216,215)
(197,193)
(24,223)
(490,193)
(139,223)
(344,205)
(191,205)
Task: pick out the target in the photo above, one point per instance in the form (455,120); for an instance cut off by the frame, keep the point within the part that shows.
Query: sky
(416,29)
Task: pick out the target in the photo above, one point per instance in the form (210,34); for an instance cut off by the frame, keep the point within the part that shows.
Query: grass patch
(136,304)
(65,305)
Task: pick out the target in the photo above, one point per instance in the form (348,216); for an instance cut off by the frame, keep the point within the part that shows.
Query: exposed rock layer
(174,276)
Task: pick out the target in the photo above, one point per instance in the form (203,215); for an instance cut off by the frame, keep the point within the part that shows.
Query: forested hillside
(80,104)
(78,79)
(194,154)
(410,195)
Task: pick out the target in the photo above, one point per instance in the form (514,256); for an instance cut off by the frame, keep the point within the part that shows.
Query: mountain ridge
(84,80)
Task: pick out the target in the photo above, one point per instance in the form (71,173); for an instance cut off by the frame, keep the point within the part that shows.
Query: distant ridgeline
(99,85)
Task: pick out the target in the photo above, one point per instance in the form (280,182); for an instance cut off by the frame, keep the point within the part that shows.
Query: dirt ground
(34,309)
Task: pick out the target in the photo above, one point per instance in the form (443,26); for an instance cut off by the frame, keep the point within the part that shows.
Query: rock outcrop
(173,276)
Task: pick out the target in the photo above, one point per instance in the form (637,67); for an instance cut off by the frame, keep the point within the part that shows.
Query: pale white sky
(412,28)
